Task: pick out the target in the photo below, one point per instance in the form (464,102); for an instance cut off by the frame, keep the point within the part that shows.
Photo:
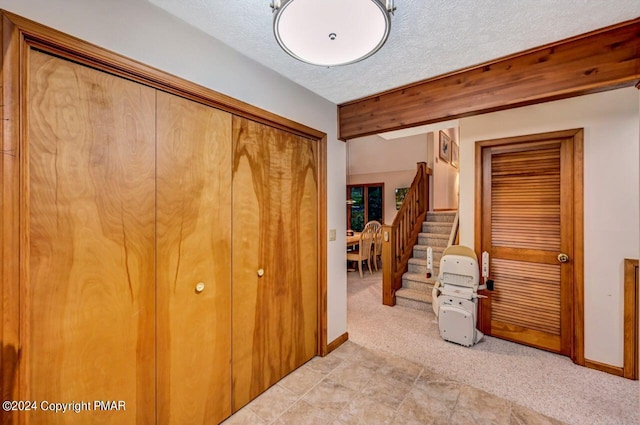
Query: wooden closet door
(194,247)
(87,301)
(274,255)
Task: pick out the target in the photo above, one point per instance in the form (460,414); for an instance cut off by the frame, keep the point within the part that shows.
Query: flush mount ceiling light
(331,32)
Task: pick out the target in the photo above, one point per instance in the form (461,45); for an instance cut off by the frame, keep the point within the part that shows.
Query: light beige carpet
(545,382)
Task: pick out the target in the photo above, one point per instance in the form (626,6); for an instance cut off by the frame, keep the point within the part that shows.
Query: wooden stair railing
(400,237)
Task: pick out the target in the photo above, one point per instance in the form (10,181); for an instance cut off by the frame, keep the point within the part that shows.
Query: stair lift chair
(455,294)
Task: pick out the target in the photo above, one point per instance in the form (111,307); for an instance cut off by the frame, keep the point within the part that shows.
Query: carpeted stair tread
(420,251)
(420,261)
(416,287)
(419,277)
(414,294)
(434,235)
(442,217)
(423,263)
(436,227)
(436,249)
(433,240)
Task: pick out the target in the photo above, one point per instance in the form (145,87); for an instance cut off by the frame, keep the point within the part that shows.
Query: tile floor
(356,385)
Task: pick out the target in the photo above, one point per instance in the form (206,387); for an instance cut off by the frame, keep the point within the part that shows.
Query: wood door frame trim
(19,35)
(322,348)
(11,271)
(577,349)
(631,317)
(603,367)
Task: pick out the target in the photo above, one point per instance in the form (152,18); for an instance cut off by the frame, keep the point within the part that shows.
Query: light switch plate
(332,234)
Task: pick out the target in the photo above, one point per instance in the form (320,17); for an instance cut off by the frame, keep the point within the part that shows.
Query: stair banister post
(427,173)
(388,265)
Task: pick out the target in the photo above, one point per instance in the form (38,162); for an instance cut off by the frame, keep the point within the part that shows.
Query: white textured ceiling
(428,37)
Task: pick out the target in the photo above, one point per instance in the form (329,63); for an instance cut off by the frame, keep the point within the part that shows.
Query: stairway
(416,288)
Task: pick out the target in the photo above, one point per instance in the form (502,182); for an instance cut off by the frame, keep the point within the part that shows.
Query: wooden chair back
(367,238)
(373,223)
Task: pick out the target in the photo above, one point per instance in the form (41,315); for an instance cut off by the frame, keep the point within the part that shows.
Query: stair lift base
(457,321)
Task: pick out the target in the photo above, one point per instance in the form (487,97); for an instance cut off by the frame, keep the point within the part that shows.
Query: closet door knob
(199,287)
(260,272)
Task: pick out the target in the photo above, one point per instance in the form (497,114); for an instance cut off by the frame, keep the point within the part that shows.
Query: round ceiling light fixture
(331,32)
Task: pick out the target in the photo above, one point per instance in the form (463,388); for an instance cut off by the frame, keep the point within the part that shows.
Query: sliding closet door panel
(194,262)
(87,304)
(275,242)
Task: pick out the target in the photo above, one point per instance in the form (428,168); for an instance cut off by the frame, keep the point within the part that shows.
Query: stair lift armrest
(480,288)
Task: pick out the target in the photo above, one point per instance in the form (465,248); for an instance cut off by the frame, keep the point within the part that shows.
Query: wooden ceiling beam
(601,60)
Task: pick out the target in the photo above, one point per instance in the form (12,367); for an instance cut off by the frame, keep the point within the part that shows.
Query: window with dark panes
(365,202)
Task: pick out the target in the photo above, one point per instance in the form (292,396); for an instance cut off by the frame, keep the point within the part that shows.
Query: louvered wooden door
(527,222)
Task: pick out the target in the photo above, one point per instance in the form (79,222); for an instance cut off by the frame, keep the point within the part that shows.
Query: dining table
(352,243)
(353,240)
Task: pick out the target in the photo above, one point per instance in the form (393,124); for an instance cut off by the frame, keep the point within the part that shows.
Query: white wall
(373,159)
(373,154)
(611,199)
(445,176)
(138,30)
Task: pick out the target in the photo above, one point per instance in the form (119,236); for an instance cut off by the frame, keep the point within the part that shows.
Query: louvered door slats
(525,199)
(525,217)
(527,295)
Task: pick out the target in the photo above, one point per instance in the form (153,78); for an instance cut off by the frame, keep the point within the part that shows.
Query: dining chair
(363,252)
(373,223)
(376,250)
